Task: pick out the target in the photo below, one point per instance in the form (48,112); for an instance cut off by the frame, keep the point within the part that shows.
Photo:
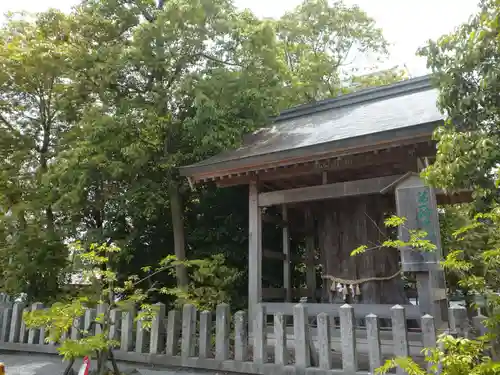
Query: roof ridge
(364,95)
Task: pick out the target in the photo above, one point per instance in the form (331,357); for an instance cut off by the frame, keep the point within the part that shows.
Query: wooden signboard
(417,203)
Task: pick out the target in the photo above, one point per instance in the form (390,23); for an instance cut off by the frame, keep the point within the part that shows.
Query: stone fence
(219,342)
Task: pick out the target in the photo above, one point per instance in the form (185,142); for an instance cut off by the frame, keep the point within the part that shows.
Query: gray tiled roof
(381,110)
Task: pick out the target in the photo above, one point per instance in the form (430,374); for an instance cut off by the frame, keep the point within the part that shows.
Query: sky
(407,24)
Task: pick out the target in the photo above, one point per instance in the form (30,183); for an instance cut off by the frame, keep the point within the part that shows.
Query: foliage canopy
(98,108)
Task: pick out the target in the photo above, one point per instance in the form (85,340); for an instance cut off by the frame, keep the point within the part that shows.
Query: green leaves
(359,250)
(211,282)
(394,221)
(58,319)
(474,262)
(316,39)
(464,66)
(417,238)
(35,90)
(102,105)
(86,346)
(457,356)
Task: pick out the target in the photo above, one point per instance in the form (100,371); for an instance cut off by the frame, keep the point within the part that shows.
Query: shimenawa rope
(360,281)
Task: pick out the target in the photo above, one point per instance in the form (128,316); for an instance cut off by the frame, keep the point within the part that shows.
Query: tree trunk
(178,229)
(49,213)
(345,224)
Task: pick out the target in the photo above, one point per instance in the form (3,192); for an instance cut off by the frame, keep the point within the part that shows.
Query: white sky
(407,24)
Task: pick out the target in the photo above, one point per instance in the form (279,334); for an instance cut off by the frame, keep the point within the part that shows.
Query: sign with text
(417,203)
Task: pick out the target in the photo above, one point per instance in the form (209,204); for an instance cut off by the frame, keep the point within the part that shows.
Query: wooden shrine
(328,174)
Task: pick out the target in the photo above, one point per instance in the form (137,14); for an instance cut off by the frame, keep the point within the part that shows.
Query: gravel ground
(36,364)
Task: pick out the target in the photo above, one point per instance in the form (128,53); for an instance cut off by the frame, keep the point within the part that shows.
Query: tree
(163,95)
(319,41)
(35,99)
(464,68)
(455,356)
(104,291)
(149,86)
(211,281)
(475,268)
(475,262)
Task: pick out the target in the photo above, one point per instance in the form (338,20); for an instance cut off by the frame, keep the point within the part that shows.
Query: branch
(144,12)
(376,226)
(178,69)
(9,126)
(69,367)
(341,59)
(153,274)
(215,59)
(159,270)
(371,248)
(113,362)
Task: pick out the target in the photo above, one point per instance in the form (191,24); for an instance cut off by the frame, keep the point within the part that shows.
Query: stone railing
(203,340)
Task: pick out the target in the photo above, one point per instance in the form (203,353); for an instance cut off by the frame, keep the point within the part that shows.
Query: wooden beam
(287,271)
(254,251)
(280,293)
(329,191)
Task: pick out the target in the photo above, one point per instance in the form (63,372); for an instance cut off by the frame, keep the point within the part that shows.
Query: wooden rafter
(328,163)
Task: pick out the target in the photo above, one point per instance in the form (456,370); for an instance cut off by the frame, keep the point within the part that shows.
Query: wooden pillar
(254,252)
(310,255)
(326,295)
(287,274)
(417,203)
